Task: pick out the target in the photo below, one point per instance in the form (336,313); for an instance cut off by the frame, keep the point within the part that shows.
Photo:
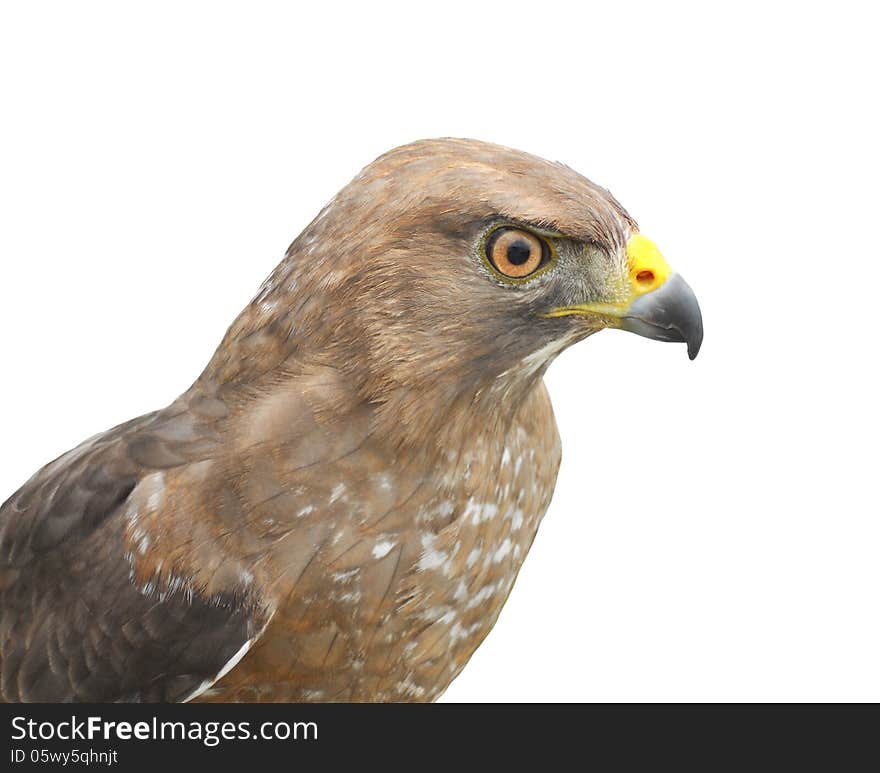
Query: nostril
(645,277)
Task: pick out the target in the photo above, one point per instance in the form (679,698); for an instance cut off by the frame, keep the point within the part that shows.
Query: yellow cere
(648,269)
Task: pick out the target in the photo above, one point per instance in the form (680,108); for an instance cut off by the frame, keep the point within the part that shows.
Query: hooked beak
(660,305)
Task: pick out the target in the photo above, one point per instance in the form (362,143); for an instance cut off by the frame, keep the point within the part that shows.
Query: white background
(714,534)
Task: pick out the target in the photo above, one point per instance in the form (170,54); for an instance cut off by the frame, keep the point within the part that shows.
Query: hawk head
(453,268)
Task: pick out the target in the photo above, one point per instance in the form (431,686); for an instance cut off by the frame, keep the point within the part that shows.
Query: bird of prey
(337,509)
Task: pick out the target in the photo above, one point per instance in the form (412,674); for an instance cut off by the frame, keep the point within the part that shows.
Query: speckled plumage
(338,508)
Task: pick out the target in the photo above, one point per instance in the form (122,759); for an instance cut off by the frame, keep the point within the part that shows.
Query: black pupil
(519,252)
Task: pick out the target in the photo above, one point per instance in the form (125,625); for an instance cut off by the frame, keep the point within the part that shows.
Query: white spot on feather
(156,487)
(502,551)
(459,631)
(433,558)
(516,518)
(408,687)
(478,512)
(382,548)
(533,363)
(231,663)
(484,593)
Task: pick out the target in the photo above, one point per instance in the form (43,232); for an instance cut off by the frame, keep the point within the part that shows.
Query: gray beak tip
(669,313)
(695,338)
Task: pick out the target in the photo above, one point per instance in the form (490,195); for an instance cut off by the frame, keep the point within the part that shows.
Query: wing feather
(75,624)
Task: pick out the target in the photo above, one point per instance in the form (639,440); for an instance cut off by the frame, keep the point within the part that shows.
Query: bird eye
(516,253)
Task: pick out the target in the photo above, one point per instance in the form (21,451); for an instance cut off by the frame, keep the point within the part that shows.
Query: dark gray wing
(74,625)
